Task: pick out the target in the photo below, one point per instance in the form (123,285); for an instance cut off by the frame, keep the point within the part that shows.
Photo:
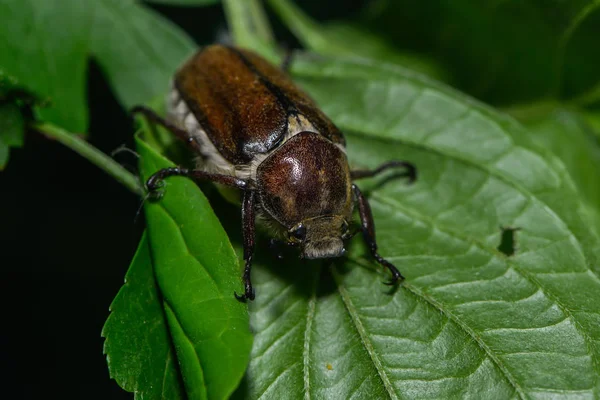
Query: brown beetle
(255,130)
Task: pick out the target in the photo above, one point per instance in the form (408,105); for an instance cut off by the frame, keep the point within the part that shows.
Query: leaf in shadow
(504,52)
(12,130)
(344,39)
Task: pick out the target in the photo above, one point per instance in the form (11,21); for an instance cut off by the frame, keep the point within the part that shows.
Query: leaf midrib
(172,309)
(187,337)
(364,337)
(310,316)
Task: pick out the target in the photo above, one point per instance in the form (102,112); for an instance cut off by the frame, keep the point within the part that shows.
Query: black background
(67,234)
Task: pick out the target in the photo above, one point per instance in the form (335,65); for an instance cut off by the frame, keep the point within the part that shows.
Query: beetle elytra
(253,129)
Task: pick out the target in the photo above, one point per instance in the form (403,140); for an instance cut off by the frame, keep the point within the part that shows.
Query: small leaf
(197,272)
(12,130)
(468,321)
(138,346)
(122,35)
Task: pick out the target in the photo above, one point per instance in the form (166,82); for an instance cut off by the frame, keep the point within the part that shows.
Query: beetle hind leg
(410,170)
(368,230)
(180,133)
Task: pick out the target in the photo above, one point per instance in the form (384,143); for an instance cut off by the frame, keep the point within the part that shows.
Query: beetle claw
(396,278)
(155,194)
(411,174)
(249,295)
(241,298)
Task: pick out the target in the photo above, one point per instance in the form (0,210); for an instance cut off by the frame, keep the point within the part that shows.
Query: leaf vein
(310,316)
(364,338)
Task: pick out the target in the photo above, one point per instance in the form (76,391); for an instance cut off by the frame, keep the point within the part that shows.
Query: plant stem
(91,153)
(248,23)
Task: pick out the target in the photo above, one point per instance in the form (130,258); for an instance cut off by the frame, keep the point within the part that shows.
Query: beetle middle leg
(249,234)
(410,170)
(368,230)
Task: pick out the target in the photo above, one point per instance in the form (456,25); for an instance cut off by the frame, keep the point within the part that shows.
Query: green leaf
(46,45)
(592,118)
(12,130)
(197,272)
(505,52)
(568,135)
(469,320)
(188,3)
(349,40)
(138,347)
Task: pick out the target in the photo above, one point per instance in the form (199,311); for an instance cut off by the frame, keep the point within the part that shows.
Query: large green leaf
(138,347)
(469,320)
(197,272)
(46,45)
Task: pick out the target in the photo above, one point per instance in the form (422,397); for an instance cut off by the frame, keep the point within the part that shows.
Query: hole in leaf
(508,241)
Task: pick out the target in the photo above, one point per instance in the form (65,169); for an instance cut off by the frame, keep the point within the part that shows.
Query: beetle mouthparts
(325,248)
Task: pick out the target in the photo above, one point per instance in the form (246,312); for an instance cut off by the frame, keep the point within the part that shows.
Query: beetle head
(320,237)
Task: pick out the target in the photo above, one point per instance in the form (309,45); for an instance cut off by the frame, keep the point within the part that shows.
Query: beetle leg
(368,230)
(181,134)
(411,171)
(155,181)
(248,226)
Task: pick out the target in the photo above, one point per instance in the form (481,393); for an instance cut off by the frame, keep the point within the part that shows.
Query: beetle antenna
(139,210)
(124,149)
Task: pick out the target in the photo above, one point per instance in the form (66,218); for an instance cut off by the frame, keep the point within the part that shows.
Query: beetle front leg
(155,181)
(368,230)
(249,234)
(411,171)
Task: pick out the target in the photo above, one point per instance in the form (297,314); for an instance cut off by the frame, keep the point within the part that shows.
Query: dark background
(67,234)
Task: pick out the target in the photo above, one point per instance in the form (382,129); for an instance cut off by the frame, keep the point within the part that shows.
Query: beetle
(253,129)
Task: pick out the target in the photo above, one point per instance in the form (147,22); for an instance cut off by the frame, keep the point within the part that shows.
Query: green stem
(94,155)
(248,23)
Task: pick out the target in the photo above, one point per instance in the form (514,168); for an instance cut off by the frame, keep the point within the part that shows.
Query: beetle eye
(299,233)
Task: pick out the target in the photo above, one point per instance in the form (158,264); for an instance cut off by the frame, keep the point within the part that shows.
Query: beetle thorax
(305,179)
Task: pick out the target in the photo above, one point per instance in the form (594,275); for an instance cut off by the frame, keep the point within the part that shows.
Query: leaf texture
(469,321)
